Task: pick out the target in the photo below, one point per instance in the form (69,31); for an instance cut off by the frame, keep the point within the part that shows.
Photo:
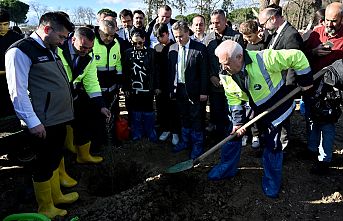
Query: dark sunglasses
(137,43)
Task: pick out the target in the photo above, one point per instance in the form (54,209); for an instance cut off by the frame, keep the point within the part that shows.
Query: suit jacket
(196,70)
(289,38)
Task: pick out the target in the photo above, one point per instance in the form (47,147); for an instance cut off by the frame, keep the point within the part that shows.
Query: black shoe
(320,168)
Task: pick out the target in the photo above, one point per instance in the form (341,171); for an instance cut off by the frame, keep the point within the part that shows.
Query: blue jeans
(322,136)
(272,159)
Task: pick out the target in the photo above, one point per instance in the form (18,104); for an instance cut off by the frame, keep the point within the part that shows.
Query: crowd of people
(64,84)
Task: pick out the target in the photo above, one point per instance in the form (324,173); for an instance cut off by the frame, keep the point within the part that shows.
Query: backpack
(326,104)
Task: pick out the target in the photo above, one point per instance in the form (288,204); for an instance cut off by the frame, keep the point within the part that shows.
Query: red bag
(122,129)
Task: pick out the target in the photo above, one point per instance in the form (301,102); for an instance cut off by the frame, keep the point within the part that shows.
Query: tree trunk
(265,3)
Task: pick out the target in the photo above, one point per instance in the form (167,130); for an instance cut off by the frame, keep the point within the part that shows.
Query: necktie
(183,63)
(75,60)
(271,42)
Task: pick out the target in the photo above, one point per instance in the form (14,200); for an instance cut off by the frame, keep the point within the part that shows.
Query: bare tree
(83,15)
(153,6)
(90,15)
(38,8)
(265,3)
(180,5)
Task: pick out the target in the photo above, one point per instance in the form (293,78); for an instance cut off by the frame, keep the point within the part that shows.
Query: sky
(96,5)
(116,5)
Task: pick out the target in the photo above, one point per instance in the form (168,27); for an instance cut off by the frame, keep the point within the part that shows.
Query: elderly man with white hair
(258,74)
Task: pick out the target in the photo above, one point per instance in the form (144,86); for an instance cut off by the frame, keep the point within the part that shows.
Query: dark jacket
(151,28)
(162,64)
(6,41)
(139,69)
(212,43)
(325,102)
(196,70)
(289,38)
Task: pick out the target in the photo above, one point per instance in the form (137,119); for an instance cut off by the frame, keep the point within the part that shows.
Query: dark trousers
(49,152)
(191,110)
(82,124)
(167,113)
(219,112)
(101,129)
(6,106)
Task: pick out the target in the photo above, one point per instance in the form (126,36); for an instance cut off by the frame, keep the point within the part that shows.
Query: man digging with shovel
(259,75)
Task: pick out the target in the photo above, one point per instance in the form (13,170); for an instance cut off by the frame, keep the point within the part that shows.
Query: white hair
(231,48)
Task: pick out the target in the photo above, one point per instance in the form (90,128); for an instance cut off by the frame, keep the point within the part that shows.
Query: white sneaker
(244,140)
(164,135)
(175,139)
(255,142)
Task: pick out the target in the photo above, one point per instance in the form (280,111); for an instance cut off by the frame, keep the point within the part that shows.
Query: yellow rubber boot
(83,155)
(65,179)
(56,193)
(69,141)
(44,199)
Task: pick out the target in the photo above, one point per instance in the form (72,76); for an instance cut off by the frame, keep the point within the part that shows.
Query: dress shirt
(278,31)
(18,65)
(179,60)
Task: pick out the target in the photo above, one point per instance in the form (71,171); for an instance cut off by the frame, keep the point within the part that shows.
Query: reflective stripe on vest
(106,68)
(266,76)
(304,71)
(281,118)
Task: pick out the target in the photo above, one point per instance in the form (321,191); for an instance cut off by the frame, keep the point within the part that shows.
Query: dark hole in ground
(115,179)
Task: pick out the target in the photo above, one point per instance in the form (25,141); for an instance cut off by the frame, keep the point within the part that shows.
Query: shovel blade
(177,168)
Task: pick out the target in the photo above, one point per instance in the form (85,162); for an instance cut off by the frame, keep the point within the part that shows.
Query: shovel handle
(252,121)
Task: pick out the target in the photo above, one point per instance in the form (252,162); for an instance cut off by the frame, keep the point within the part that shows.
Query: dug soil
(131,185)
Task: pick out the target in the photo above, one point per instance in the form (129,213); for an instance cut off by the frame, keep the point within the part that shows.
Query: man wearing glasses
(81,70)
(33,66)
(281,35)
(109,69)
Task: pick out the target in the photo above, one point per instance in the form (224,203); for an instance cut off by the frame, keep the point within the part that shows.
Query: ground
(131,185)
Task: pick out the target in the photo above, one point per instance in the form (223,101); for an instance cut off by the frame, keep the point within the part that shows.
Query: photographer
(324,112)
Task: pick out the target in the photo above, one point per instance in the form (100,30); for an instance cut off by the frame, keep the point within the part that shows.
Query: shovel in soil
(188,164)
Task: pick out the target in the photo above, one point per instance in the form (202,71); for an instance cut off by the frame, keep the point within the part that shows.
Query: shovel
(186,165)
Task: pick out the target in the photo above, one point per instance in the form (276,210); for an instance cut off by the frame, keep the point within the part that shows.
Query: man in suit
(164,16)
(282,35)
(188,83)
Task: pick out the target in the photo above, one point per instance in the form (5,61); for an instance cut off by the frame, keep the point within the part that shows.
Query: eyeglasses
(137,43)
(62,37)
(262,25)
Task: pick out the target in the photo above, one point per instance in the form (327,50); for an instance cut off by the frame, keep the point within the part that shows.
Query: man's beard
(271,31)
(330,30)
